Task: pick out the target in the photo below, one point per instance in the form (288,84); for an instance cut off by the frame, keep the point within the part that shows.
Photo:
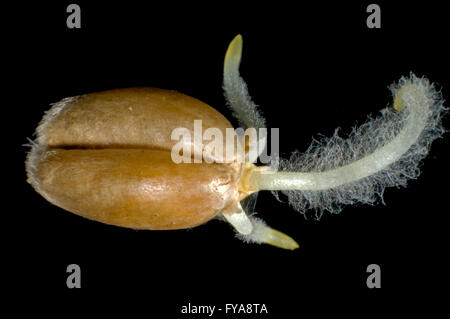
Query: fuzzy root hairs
(333,152)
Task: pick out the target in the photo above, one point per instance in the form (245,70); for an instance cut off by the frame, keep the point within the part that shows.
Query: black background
(311,68)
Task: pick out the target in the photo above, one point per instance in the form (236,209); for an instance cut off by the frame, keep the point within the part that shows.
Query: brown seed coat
(106,156)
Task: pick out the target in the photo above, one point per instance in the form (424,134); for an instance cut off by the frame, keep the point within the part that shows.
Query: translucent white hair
(386,151)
